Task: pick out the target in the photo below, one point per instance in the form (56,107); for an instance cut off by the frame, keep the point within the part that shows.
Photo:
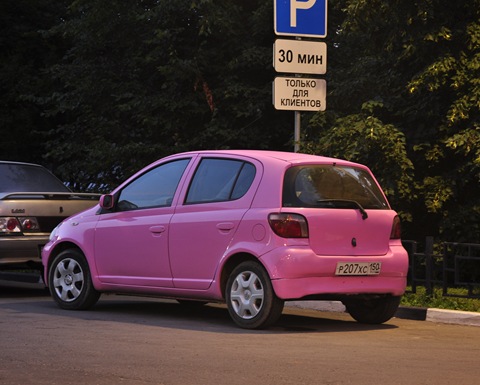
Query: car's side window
(218,180)
(244,181)
(155,188)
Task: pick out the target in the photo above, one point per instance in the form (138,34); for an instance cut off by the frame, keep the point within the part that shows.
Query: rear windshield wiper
(343,204)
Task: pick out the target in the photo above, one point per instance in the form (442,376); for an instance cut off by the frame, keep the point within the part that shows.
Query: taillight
(396,229)
(9,225)
(15,225)
(287,225)
(29,224)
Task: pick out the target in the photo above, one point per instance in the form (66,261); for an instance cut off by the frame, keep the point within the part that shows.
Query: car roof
(276,162)
(266,155)
(19,163)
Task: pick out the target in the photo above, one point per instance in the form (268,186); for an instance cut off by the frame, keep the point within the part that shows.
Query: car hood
(92,211)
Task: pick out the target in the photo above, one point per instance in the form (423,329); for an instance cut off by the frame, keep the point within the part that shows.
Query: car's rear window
(327,186)
(28,178)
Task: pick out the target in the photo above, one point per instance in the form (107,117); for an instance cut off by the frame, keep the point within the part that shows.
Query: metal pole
(297,132)
(297,118)
(429,266)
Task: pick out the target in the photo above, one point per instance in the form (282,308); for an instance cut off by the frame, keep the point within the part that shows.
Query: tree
(416,64)
(451,187)
(25,53)
(99,89)
(143,79)
(364,138)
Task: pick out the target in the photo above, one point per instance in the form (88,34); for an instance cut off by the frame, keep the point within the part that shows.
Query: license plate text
(360,268)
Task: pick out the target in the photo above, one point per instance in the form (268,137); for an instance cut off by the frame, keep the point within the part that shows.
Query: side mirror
(106,201)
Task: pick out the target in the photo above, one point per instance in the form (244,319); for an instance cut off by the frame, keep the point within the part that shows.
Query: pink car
(250,228)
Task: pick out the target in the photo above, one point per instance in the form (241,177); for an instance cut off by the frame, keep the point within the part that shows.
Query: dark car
(32,202)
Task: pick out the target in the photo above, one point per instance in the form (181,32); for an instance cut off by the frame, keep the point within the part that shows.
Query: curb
(453,317)
(404,312)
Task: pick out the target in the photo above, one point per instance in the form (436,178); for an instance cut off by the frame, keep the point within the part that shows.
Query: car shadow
(171,314)
(21,285)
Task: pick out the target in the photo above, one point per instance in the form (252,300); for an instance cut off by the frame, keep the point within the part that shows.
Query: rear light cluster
(287,225)
(14,225)
(396,229)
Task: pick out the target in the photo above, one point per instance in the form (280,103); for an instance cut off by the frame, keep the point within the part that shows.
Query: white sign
(297,56)
(301,18)
(299,94)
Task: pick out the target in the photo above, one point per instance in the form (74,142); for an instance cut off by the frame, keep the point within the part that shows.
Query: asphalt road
(131,340)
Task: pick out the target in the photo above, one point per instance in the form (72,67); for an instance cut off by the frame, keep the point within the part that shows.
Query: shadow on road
(18,285)
(171,314)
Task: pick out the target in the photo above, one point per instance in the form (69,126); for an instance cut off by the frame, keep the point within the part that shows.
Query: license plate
(361,268)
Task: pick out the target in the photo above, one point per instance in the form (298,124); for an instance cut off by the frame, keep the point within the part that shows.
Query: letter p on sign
(299,4)
(300,18)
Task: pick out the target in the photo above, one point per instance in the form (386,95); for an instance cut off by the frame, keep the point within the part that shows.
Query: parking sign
(301,18)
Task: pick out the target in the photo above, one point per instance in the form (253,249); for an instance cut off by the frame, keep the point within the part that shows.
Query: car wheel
(70,281)
(251,301)
(375,310)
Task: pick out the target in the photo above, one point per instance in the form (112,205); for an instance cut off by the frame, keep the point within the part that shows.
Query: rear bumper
(337,287)
(297,273)
(21,250)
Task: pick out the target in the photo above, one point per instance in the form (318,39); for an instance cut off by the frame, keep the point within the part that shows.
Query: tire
(70,282)
(251,301)
(375,310)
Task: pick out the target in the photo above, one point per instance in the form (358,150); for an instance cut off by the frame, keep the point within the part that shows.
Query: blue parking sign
(301,17)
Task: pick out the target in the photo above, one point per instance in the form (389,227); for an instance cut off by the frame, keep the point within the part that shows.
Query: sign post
(300,18)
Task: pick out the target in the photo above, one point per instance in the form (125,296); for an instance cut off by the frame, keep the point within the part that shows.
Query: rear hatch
(46,210)
(344,232)
(33,200)
(346,211)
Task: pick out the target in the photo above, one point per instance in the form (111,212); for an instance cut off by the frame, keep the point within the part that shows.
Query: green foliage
(143,79)
(24,53)
(417,64)
(437,300)
(364,138)
(97,89)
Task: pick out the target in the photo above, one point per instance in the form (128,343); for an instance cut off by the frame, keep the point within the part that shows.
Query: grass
(437,300)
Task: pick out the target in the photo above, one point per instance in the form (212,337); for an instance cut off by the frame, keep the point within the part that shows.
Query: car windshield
(16,177)
(329,186)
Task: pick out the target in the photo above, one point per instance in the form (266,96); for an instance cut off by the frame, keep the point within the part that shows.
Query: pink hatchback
(250,228)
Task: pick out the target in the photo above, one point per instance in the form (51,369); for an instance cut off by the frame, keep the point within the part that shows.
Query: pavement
(414,313)
(34,281)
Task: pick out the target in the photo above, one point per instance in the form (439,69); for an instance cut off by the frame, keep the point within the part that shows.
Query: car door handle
(225,226)
(157,229)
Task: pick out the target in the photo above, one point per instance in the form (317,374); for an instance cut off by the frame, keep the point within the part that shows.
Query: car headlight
(54,234)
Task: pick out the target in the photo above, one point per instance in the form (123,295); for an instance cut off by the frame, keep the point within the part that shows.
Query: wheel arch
(59,248)
(69,278)
(232,262)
